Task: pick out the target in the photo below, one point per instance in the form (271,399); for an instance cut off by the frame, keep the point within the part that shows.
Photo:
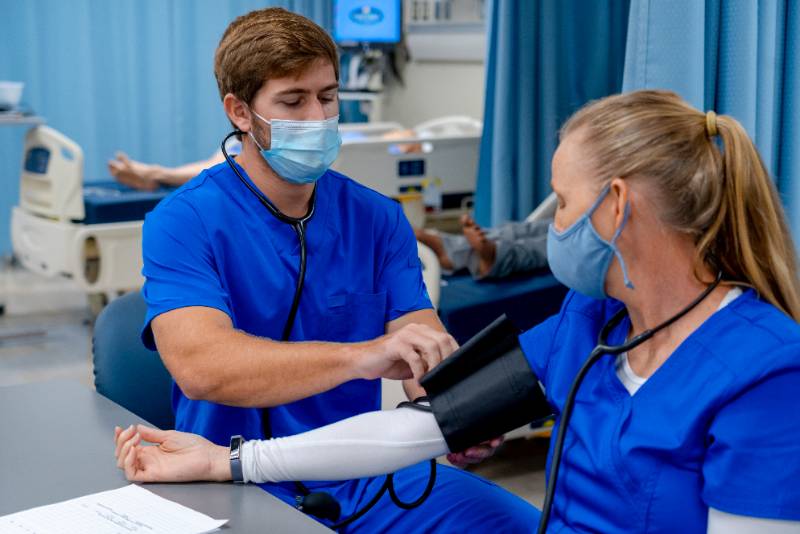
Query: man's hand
(476,454)
(411,351)
(174,457)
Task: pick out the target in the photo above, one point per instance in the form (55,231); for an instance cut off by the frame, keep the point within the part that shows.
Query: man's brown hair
(268,43)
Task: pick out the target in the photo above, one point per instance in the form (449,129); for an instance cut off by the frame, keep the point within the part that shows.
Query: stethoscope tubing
(299,225)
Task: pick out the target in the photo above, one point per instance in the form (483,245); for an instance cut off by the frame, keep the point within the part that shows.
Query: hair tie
(711,124)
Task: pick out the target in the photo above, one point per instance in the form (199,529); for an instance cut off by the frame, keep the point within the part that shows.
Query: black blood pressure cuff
(485,389)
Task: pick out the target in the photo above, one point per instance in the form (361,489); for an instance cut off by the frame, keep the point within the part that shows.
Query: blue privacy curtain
(135,75)
(545,59)
(738,57)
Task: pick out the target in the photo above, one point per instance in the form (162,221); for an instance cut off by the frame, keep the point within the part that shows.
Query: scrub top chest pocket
(354,317)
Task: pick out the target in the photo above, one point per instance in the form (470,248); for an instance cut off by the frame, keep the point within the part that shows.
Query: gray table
(56,443)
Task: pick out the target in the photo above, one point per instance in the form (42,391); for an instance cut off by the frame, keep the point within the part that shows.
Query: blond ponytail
(749,238)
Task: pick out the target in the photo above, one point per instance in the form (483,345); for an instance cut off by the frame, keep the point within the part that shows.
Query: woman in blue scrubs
(695,430)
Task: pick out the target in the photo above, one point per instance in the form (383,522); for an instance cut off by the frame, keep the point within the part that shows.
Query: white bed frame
(47,232)
(447,149)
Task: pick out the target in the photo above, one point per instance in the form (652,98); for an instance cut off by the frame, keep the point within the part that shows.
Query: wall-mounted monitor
(367,21)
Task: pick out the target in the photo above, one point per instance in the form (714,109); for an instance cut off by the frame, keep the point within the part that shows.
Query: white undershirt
(381,442)
(631,380)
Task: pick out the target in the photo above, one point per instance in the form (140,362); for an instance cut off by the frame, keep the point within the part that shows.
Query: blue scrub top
(212,243)
(717,425)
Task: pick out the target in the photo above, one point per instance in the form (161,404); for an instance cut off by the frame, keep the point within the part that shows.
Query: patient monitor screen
(367,21)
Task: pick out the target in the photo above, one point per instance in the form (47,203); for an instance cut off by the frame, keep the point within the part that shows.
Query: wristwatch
(236,460)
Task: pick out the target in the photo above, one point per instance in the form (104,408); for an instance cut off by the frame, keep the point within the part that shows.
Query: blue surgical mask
(579,258)
(301,151)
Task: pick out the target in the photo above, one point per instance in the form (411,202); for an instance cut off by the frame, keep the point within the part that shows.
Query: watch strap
(236,459)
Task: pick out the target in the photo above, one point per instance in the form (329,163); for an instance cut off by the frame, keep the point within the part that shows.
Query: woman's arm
(365,445)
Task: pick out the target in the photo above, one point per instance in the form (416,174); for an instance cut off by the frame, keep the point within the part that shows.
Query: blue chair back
(124,370)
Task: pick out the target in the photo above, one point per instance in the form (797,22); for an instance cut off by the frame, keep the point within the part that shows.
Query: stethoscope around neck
(297,223)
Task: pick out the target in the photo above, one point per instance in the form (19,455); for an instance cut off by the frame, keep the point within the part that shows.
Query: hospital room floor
(46,334)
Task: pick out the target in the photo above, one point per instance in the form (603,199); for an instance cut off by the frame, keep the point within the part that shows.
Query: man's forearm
(238,369)
(210,360)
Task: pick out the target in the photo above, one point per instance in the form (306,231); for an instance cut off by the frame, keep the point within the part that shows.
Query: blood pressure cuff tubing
(485,388)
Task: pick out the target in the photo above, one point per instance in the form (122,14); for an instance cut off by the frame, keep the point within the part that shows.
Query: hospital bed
(392,160)
(88,232)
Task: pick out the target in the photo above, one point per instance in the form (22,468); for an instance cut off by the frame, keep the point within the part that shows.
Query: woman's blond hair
(710,183)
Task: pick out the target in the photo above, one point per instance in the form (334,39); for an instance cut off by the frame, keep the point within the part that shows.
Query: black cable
(425,494)
(417,404)
(366,508)
(301,278)
(600,350)
(388,484)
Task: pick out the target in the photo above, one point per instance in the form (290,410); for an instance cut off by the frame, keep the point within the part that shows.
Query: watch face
(236,445)
(236,462)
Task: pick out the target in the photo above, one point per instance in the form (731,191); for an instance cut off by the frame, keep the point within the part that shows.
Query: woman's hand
(173,457)
(476,454)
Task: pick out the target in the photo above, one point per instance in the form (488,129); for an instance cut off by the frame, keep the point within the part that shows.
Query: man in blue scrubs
(222,270)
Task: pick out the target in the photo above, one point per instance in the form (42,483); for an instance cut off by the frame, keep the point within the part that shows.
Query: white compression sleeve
(369,444)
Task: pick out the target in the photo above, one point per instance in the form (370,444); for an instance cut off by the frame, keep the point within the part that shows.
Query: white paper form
(128,510)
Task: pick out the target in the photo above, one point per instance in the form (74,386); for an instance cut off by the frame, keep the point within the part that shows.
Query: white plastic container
(10,94)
